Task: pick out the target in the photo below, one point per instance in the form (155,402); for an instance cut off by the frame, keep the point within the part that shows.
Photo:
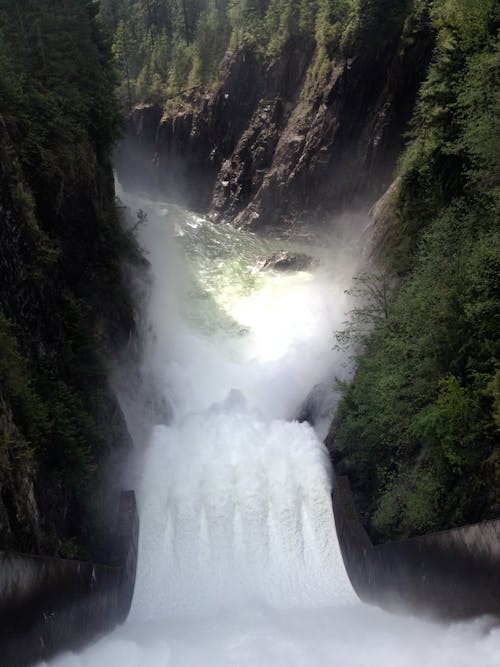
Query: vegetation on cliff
(62,299)
(303,114)
(417,431)
(167,47)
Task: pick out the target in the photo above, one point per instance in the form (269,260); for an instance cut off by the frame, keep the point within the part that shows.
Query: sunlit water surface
(239,563)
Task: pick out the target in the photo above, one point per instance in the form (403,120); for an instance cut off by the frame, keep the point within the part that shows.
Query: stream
(239,563)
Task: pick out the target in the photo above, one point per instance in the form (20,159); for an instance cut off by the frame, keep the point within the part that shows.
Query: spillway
(239,563)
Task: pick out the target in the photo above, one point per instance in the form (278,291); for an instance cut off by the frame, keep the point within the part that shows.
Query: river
(239,563)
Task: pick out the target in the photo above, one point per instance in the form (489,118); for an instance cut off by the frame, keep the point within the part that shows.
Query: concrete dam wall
(49,604)
(453,574)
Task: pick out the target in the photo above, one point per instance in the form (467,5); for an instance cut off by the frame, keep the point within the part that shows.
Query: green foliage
(69,548)
(448,424)
(478,116)
(52,429)
(494,388)
(64,78)
(61,249)
(51,416)
(166,47)
(374,23)
(418,428)
(16,386)
(162,47)
(374,292)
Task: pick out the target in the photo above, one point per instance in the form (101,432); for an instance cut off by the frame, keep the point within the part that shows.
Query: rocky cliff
(268,145)
(64,309)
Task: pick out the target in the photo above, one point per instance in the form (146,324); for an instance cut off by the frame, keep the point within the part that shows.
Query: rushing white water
(235,500)
(239,563)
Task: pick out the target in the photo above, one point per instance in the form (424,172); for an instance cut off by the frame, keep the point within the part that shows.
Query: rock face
(288,261)
(264,149)
(48,605)
(383,231)
(63,310)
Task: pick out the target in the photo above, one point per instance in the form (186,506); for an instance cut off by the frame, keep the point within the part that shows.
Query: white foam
(239,564)
(353,636)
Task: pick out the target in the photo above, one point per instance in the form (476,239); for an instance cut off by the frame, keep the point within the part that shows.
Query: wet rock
(263,151)
(135,156)
(383,231)
(318,405)
(288,261)
(57,324)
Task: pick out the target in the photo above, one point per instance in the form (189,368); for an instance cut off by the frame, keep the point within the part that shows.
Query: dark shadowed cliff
(270,145)
(64,309)
(267,114)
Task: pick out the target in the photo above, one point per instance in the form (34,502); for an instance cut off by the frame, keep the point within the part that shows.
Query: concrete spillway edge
(49,604)
(449,575)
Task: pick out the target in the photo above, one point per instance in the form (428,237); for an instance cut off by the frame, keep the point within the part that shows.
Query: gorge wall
(48,605)
(266,147)
(259,113)
(321,107)
(65,312)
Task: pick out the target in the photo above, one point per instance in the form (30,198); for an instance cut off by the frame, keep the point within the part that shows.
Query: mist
(239,562)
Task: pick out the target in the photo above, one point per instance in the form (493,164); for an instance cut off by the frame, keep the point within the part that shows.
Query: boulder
(288,261)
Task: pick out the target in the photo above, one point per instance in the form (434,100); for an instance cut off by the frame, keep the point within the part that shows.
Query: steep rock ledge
(64,309)
(264,148)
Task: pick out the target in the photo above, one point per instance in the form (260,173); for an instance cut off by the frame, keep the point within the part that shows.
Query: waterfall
(235,496)
(239,564)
